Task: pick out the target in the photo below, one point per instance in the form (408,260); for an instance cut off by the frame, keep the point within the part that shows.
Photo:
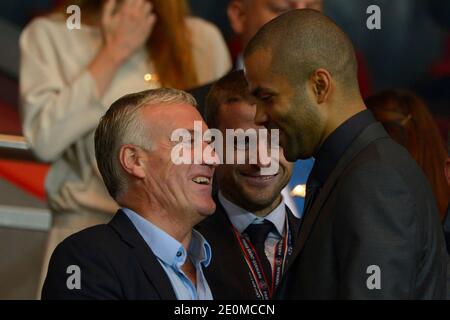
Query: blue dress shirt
(172,255)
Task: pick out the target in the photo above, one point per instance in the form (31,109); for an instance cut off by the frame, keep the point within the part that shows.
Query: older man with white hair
(149,249)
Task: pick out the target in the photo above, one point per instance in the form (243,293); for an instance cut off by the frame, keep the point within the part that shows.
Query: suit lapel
(218,231)
(148,261)
(371,133)
(294,223)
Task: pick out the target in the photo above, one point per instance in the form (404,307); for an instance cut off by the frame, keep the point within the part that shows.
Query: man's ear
(321,83)
(447,170)
(131,160)
(236,16)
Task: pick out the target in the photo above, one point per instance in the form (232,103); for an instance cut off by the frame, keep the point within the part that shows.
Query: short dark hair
(304,40)
(231,88)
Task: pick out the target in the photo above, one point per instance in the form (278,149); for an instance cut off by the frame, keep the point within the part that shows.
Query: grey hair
(122,124)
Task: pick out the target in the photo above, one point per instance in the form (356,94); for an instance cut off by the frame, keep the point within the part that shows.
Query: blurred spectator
(248,16)
(70,77)
(407,119)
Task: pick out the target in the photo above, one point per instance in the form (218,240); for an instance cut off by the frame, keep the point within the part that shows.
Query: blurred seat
(19,166)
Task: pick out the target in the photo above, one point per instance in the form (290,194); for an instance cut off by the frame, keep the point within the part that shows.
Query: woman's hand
(124,31)
(126,28)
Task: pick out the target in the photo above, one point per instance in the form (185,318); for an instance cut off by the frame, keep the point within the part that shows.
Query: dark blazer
(375,209)
(228,275)
(115,263)
(447,228)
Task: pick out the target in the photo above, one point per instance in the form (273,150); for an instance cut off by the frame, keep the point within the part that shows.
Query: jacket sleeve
(80,271)
(56,111)
(376,235)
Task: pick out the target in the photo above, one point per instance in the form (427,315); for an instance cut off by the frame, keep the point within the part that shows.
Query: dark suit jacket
(228,275)
(376,208)
(447,228)
(115,263)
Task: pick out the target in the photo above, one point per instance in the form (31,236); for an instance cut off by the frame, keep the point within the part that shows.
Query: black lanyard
(259,279)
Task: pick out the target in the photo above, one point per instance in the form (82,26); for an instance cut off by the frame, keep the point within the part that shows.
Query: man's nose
(260,116)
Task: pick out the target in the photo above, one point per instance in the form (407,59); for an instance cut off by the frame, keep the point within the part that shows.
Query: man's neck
(339,117)
(164,219)
(259,212)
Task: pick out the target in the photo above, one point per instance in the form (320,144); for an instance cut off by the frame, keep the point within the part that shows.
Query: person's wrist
(114,54)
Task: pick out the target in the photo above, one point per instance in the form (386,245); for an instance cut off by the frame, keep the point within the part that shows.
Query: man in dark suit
(252,227)
(371,226)
(148,250)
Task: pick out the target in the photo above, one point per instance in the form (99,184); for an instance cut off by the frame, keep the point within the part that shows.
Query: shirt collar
(337,143)
(241,218)
(200,249)
(239,62)
(167,248)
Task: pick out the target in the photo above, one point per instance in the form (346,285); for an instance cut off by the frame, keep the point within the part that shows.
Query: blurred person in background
(69,77)
(248,16)
(408,121)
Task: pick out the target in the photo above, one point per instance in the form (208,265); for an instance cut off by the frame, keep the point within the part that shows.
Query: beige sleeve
(221,53)
(55,112)
(211,53)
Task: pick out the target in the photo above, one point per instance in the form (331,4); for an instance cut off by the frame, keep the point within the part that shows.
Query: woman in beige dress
(69,77)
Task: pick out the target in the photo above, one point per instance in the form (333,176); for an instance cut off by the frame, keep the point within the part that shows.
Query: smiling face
(183,189)
(243,184)
(283,106)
